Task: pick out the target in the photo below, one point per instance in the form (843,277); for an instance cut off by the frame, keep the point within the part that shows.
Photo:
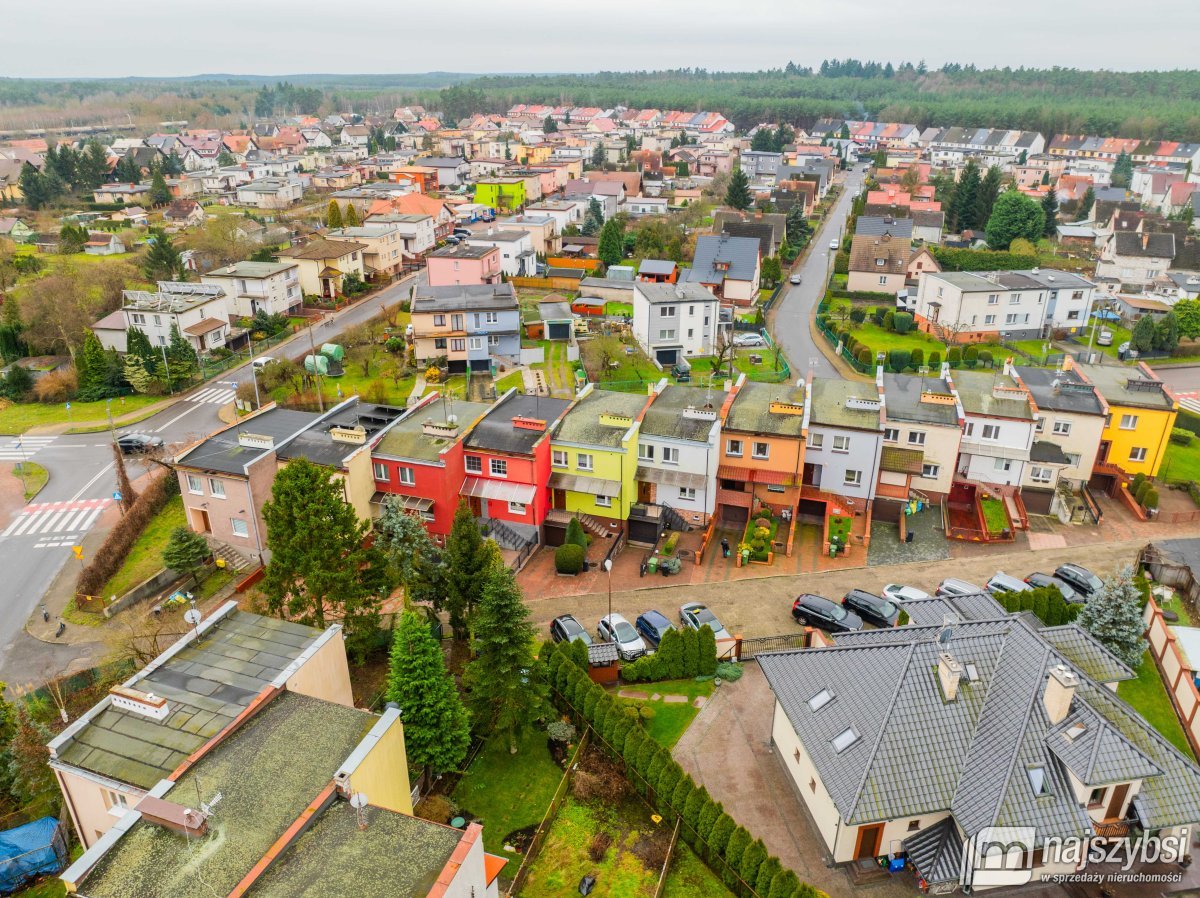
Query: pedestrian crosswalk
(55,524)
(23,448)
(1190,401)
(213,396)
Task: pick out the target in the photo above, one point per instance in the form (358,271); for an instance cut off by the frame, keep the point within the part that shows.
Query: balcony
(735,498)
(993,449)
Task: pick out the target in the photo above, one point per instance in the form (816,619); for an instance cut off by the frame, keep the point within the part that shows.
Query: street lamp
(608,570)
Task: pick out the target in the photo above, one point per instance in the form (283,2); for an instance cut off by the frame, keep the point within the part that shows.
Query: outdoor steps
(593,526)
(1016,511)
(234,560)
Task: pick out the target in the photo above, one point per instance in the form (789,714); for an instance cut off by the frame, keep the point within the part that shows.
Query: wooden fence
(662,875)
(1173,668)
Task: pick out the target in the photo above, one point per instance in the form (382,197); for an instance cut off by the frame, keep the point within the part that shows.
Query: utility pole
(166,369)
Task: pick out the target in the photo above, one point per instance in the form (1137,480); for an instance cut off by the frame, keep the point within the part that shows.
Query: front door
(869,839)
(201,521)
(476,506)
(645,492)
(812,475)
(1117,802)
(560,500)
(1102,455)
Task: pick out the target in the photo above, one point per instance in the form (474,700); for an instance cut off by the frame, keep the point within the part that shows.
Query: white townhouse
(200,311)
(999,428)
(251,287)
(673,321)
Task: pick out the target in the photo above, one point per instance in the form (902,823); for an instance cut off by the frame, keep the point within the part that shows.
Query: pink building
(463,265)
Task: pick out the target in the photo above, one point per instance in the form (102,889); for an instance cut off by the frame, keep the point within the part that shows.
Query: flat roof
(316,442)
(206,685)
(462,251)
(496,431)
(582,423)
(395,856)
(464,297)
(1127,386)
(253,270)
(751,411)
(829,403)
(665,417)
(902,395)
(267,773)
(407,438)
(1061,391)
(223,454)
(976,391)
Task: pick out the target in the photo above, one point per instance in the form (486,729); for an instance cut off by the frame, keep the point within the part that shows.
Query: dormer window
(1075,731)
(1038,781)
(844,739)
(820,700)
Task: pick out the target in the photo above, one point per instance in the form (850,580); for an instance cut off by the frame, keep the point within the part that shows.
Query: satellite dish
(358,801)
(193,616)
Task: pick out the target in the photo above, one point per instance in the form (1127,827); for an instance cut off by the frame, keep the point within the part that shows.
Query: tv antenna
(358,801)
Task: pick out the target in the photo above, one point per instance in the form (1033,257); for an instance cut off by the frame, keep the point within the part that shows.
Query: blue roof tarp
(27,852)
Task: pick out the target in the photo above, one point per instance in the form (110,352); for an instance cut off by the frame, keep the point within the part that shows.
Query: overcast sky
(80,38)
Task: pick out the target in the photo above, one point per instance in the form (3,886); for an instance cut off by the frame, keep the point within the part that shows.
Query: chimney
(145,704)
(950,671)
(1060,690)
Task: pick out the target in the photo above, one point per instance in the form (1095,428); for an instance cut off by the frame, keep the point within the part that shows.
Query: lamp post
(608,570)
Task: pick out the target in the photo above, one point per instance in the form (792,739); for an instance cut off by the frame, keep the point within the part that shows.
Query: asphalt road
(798,303)
(35,546)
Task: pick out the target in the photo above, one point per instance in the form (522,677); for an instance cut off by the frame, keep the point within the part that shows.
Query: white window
(816,440)
(970,429)
(381,471)
(666,335)
(930,471)
(439,320)
(1040,475)
(820,700)
(558,458)
(195,485)
(916,438)
(583,461)
(491,317)
(1062,428)
(516,508)
(1002,464)
(1039,425)
(761,450)
(844,740)
(734,447)
(1073,458)
(476,343)
(1129,422)
(991,432)
(670,455)
(408,476)
(989,319)
(115,799)
(1015,299)
(498,467)
(493,340)
(993,299)
(687,492)
(853,478)
(474,464)
(1011,318)
(841,444)
(604,501)
(666,312)
(216,487)
(458,344)
(1137,453)
(239,528)
(883,280)
(645,452)
(891,434)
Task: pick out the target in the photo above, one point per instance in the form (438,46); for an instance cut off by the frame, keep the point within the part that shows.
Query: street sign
(78,550)
(116,495)
(68,406)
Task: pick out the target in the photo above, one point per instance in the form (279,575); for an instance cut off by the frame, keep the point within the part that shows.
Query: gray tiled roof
(1097,753)
(936,851)
(741,253)
(1083,651)
(878,225)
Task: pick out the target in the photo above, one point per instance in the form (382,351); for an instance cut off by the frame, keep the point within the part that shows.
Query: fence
(539,835)
(662,876)
(748,649)
(1173,668)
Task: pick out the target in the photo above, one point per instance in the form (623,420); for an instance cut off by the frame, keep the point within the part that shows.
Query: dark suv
(1080,579)
(872,608)
(652,627)
(819,612)
(565,628)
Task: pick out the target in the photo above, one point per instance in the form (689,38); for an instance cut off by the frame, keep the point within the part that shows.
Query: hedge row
(1046,602)
(734,854)
(681,654)
(981,259)
(107,560)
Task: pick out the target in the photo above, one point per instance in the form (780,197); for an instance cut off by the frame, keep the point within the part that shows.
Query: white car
(794,279)
(262,361)
(833,244)
(900,593)
(749,340)
(615,628)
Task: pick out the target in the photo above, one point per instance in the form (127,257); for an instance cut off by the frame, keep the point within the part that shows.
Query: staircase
(594,526)
(506,537)
(234,560)
(674,520)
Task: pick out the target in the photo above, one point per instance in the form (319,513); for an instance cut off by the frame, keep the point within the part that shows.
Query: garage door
(666,356)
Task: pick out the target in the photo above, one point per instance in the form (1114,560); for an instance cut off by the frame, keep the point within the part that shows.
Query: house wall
(359,482)
(443,271)
(875,283)
(862,456)
(243,501)
(512,261)
(977,314)
(276,294)
(469,878)
(325,674)
(697,317)
(1069,309)
(534,470)
(741,291)
(694,458)
(805,778)
(442,483)
(87,803)
(157,325)
(1014,435)
(1083,440)
(383,773)
(1151,433)
(310,268)
(607,464)
(941,449)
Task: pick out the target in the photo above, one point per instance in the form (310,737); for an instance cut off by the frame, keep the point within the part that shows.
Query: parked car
(1081,579)
(820,612)
(1002,582)
(681,373)
(1104,338)
(834,244)
(794,279)
(565,628)
(453,241)
(873,609)
(749,340)
(899,593)
(1039,580)
(697,615)
(614,628)
(952,586)
(652,627)
(138,443)
(462,232)
(262,361)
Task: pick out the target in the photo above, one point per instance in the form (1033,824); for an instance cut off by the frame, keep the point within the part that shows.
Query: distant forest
(1058,100)
(1129,104)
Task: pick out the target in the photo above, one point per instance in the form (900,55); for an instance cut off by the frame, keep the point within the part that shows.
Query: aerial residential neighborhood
(761,476)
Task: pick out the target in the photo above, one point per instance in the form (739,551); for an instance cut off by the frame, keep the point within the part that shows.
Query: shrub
(568,559)
(954,356)
(918,358)
(878,313)
(902,322)
(1141,492)
(902,618)
(858,316)
(1181,437)
(889,320)
(985,358)
(599,846)
(899,359)
(646,711)
(1138,479)
(1151,500)
(935,360)
(866,357)
(671,542)
(970,356)
(707,642)
(560,731)
(436,808)
(575,534)
(729,671)
(17,383)
(395,344)
(56,386)
(109,557)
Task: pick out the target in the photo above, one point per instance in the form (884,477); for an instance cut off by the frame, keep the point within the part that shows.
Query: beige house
(251,287)
(383,255)
(324,265)
(981,723)
(543,231)
(922,422)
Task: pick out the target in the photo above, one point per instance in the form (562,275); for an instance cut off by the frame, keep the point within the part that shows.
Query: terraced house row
(684,455)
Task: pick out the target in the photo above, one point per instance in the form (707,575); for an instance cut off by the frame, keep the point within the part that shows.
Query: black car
(872,608)
(565,628)
(653,626)
(1080,579)
(1069,593)
(136,443)
(819,612)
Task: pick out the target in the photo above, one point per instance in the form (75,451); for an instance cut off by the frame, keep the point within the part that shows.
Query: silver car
(695,615)
(615,628)
(900,593)
(952,586)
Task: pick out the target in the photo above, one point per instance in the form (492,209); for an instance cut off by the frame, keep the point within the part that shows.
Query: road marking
(88,485)
(24,448)
(56,523)
(213,396)
(176,418)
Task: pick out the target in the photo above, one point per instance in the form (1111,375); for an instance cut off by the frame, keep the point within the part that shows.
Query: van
(1002,582)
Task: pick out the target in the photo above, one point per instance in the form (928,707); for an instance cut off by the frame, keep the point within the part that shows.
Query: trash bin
(652,564)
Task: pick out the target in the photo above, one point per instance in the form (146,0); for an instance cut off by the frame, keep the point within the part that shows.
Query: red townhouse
(420,460)
(506,459)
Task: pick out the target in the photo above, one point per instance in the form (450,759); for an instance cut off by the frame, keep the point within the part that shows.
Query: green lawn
(618,308)
(689,877)
(1149,697)
(671,720)
(1120,335)
(509,792)
(1178,606)
(32,475)
(564,859)
(513,379)
(995,515)
(1182,462)
(145,558)
(18,417)
(878,339)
